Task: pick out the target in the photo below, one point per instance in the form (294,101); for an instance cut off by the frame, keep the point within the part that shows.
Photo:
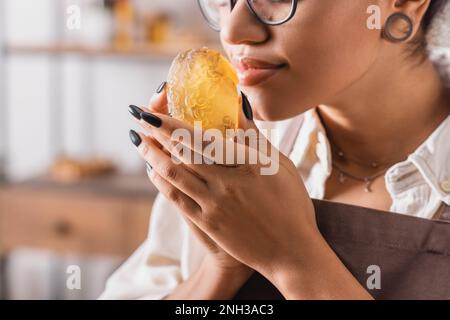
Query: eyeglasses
(268,12)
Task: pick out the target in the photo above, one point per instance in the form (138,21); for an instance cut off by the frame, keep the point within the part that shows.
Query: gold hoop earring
(387,32)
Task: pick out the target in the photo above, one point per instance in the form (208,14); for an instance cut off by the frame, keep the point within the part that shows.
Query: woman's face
(312,58)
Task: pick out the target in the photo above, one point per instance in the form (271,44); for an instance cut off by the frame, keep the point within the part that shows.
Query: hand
(217,260)
(263,221)
(266,222)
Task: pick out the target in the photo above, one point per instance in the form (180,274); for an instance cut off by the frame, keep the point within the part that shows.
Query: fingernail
(135,138)
(161,87)
(135,111)
(151,119)
(149,167)
(246,107)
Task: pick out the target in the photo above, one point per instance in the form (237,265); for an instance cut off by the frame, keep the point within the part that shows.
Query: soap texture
(202,86)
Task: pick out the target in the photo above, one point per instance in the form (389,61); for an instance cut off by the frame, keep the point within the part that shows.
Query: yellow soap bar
(202,86)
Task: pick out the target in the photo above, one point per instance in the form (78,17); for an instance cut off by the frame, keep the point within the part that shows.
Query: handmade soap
(202,86)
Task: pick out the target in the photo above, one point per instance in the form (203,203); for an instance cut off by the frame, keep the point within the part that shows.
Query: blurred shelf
(98,216)
(164,51)
(116,185)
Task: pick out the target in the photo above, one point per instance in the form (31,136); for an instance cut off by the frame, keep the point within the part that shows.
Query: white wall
(115,85)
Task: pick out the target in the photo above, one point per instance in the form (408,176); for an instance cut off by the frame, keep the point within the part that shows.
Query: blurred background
(73,191)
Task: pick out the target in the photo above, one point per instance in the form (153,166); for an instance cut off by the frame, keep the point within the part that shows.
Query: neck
(387,121)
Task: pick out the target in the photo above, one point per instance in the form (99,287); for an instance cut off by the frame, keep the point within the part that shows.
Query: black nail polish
(151,119)
(149,167)
(135,111)
(247,108)
(135,138)
(161,87)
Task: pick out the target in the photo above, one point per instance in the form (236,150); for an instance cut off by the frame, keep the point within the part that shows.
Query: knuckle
(176,148)
(173,195)
(170,172)
(153,176)
(229,189)
(150,175)
(174,143)
(182,204)
(248,170)
(212,221)
(215,207)
(221,194)
(145,151)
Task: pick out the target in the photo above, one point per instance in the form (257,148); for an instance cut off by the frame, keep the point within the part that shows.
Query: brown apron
(413,254)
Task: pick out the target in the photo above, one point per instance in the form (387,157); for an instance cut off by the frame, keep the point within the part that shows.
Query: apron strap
(443,213)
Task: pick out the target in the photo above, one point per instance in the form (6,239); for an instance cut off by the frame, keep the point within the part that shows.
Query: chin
(277,101)
(268,107)
(267,114)
(263,104)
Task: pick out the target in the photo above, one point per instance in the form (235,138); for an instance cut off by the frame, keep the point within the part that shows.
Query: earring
(389,24)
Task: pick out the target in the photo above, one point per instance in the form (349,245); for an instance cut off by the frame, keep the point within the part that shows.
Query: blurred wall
(101,86)
(74,105)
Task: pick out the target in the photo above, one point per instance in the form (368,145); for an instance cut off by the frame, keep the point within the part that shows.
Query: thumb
(247,124)
(246,116)
(158,102)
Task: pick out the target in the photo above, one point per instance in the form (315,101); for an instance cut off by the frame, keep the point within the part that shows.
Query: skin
(376,102)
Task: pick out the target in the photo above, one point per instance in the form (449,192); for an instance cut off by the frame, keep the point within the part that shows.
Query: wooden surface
(100,216)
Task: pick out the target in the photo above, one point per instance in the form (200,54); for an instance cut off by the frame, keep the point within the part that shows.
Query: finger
(136,112)
(150,139)
(183,152)
(250,134)
(184,142)
(158,102)
(176,174)
(182,201)
(247,123)
(246,114)
(171,132)
(170,168)
(183,155)
(203,237)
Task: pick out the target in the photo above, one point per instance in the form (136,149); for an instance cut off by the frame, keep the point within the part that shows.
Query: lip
(252,72)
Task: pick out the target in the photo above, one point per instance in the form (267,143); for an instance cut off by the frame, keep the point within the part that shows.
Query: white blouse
(419,186)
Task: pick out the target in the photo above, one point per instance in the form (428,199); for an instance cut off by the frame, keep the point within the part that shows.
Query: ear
(414,9)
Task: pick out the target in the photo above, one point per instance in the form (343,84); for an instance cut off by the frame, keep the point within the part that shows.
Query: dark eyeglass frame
(294,4)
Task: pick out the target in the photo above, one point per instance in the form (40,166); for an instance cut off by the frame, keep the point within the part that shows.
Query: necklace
(363,164)
(343,174)
(368,180)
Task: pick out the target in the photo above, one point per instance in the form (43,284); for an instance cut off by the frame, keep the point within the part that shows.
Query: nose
(242,27)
